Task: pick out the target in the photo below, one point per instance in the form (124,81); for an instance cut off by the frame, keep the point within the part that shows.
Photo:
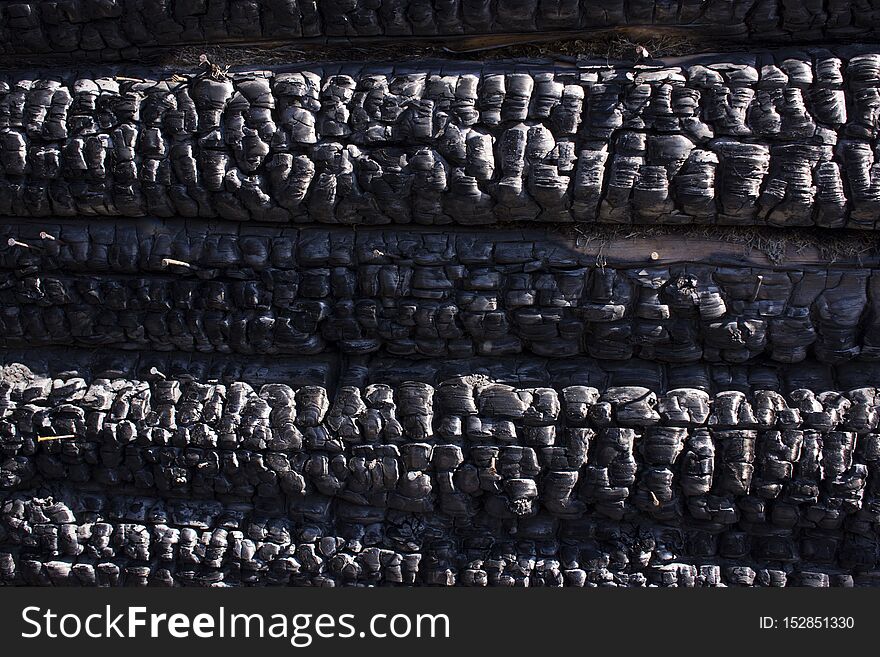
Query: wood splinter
(168,262)
(42,439)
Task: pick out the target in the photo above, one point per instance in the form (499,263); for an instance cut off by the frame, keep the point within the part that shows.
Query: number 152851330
(807,623)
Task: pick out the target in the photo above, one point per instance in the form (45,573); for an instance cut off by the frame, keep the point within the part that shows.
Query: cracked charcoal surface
(466,482)
(781,139)
(417,294)
(124,27)
(93,540)
(275,326)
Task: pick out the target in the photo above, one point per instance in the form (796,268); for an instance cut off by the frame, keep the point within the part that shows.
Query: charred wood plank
(774,139)
(426,293)
(192,481)
(126,27)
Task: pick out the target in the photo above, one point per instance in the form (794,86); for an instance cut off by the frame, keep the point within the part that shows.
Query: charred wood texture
(783,139)
(123,27)
(311,350)
(69,538)
(414,483)
(414,293)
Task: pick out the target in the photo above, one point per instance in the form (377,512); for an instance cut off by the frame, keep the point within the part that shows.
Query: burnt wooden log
(774,139)
(125,28)
(204,482)
(715,458)
(69,538)
(197,287)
